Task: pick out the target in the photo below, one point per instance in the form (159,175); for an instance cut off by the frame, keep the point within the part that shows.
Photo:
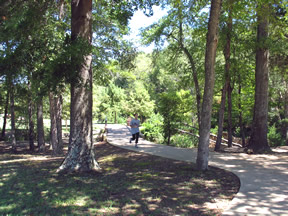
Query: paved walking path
(264,178)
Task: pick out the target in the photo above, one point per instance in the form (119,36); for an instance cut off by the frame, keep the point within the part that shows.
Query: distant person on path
(134,124)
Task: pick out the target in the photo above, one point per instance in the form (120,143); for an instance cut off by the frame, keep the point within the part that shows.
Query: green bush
(274,137)
(214,130)
(152,128)
(184,141)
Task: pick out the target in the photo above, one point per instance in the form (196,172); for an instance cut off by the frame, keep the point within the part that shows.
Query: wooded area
(218,66)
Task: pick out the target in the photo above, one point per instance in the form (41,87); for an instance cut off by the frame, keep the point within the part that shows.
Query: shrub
(214,130)
(274,137)
(184,141)
(152,128)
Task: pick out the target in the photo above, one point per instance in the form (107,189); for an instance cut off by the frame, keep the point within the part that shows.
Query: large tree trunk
(5,116)
(210,56)
(12,111)
(80,155)
(258,140)
(31,123)
(40,126)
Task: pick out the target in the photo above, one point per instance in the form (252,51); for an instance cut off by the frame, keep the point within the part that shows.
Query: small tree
(173,106)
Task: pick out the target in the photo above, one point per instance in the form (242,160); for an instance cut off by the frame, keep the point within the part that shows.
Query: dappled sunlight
(27,158)
(263,177)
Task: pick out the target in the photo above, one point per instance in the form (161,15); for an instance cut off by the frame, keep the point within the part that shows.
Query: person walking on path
(134,124)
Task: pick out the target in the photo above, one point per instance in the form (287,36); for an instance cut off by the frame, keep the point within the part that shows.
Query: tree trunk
(61,9)
(196,83)
(227,52)
(193,67)
(258,141)
(12,111)
(59,107)
(54,138)
(229,120)
(40,127)
(210,56)
(240,115)
(80,155)
(286,113)
(221,117)
(56,109)
(115,117)
(31,123)
(5,116)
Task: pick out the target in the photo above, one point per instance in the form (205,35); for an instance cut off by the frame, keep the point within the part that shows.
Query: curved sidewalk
(264,178)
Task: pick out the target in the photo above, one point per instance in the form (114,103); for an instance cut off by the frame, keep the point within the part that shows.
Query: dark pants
(135,136)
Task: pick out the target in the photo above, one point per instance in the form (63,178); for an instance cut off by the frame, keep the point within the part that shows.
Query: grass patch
(131,184)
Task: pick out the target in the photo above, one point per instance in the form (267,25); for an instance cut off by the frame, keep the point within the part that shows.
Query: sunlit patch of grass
(7,208)
(75,201)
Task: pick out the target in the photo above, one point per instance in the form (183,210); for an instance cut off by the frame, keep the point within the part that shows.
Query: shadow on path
(264,178)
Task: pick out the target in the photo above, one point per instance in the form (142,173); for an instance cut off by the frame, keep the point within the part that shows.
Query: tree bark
(210,56)
(196,83)
(258,140)
(193,67)
(56,109)
(59,107)
(240,115)
(221,118)
(31,123)
(286,113)
(80,157)
(12,111)
(40,127)
(229,116)
(54,132)
(227,52)
(5,115)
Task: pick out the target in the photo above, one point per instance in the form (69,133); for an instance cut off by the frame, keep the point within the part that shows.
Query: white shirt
(134,126)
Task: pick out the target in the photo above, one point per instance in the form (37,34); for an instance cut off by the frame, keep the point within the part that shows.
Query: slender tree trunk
(229,120)
(56,109)
(193,67)
(258,140)
(5,115)
(31,123)
(227,52)
(286,113)
(54,138)
(61,9)
(240,115)
(40,127)
(210,56)
(221,117)
(80,157)
(12,111)
(196,84)
(59,107)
